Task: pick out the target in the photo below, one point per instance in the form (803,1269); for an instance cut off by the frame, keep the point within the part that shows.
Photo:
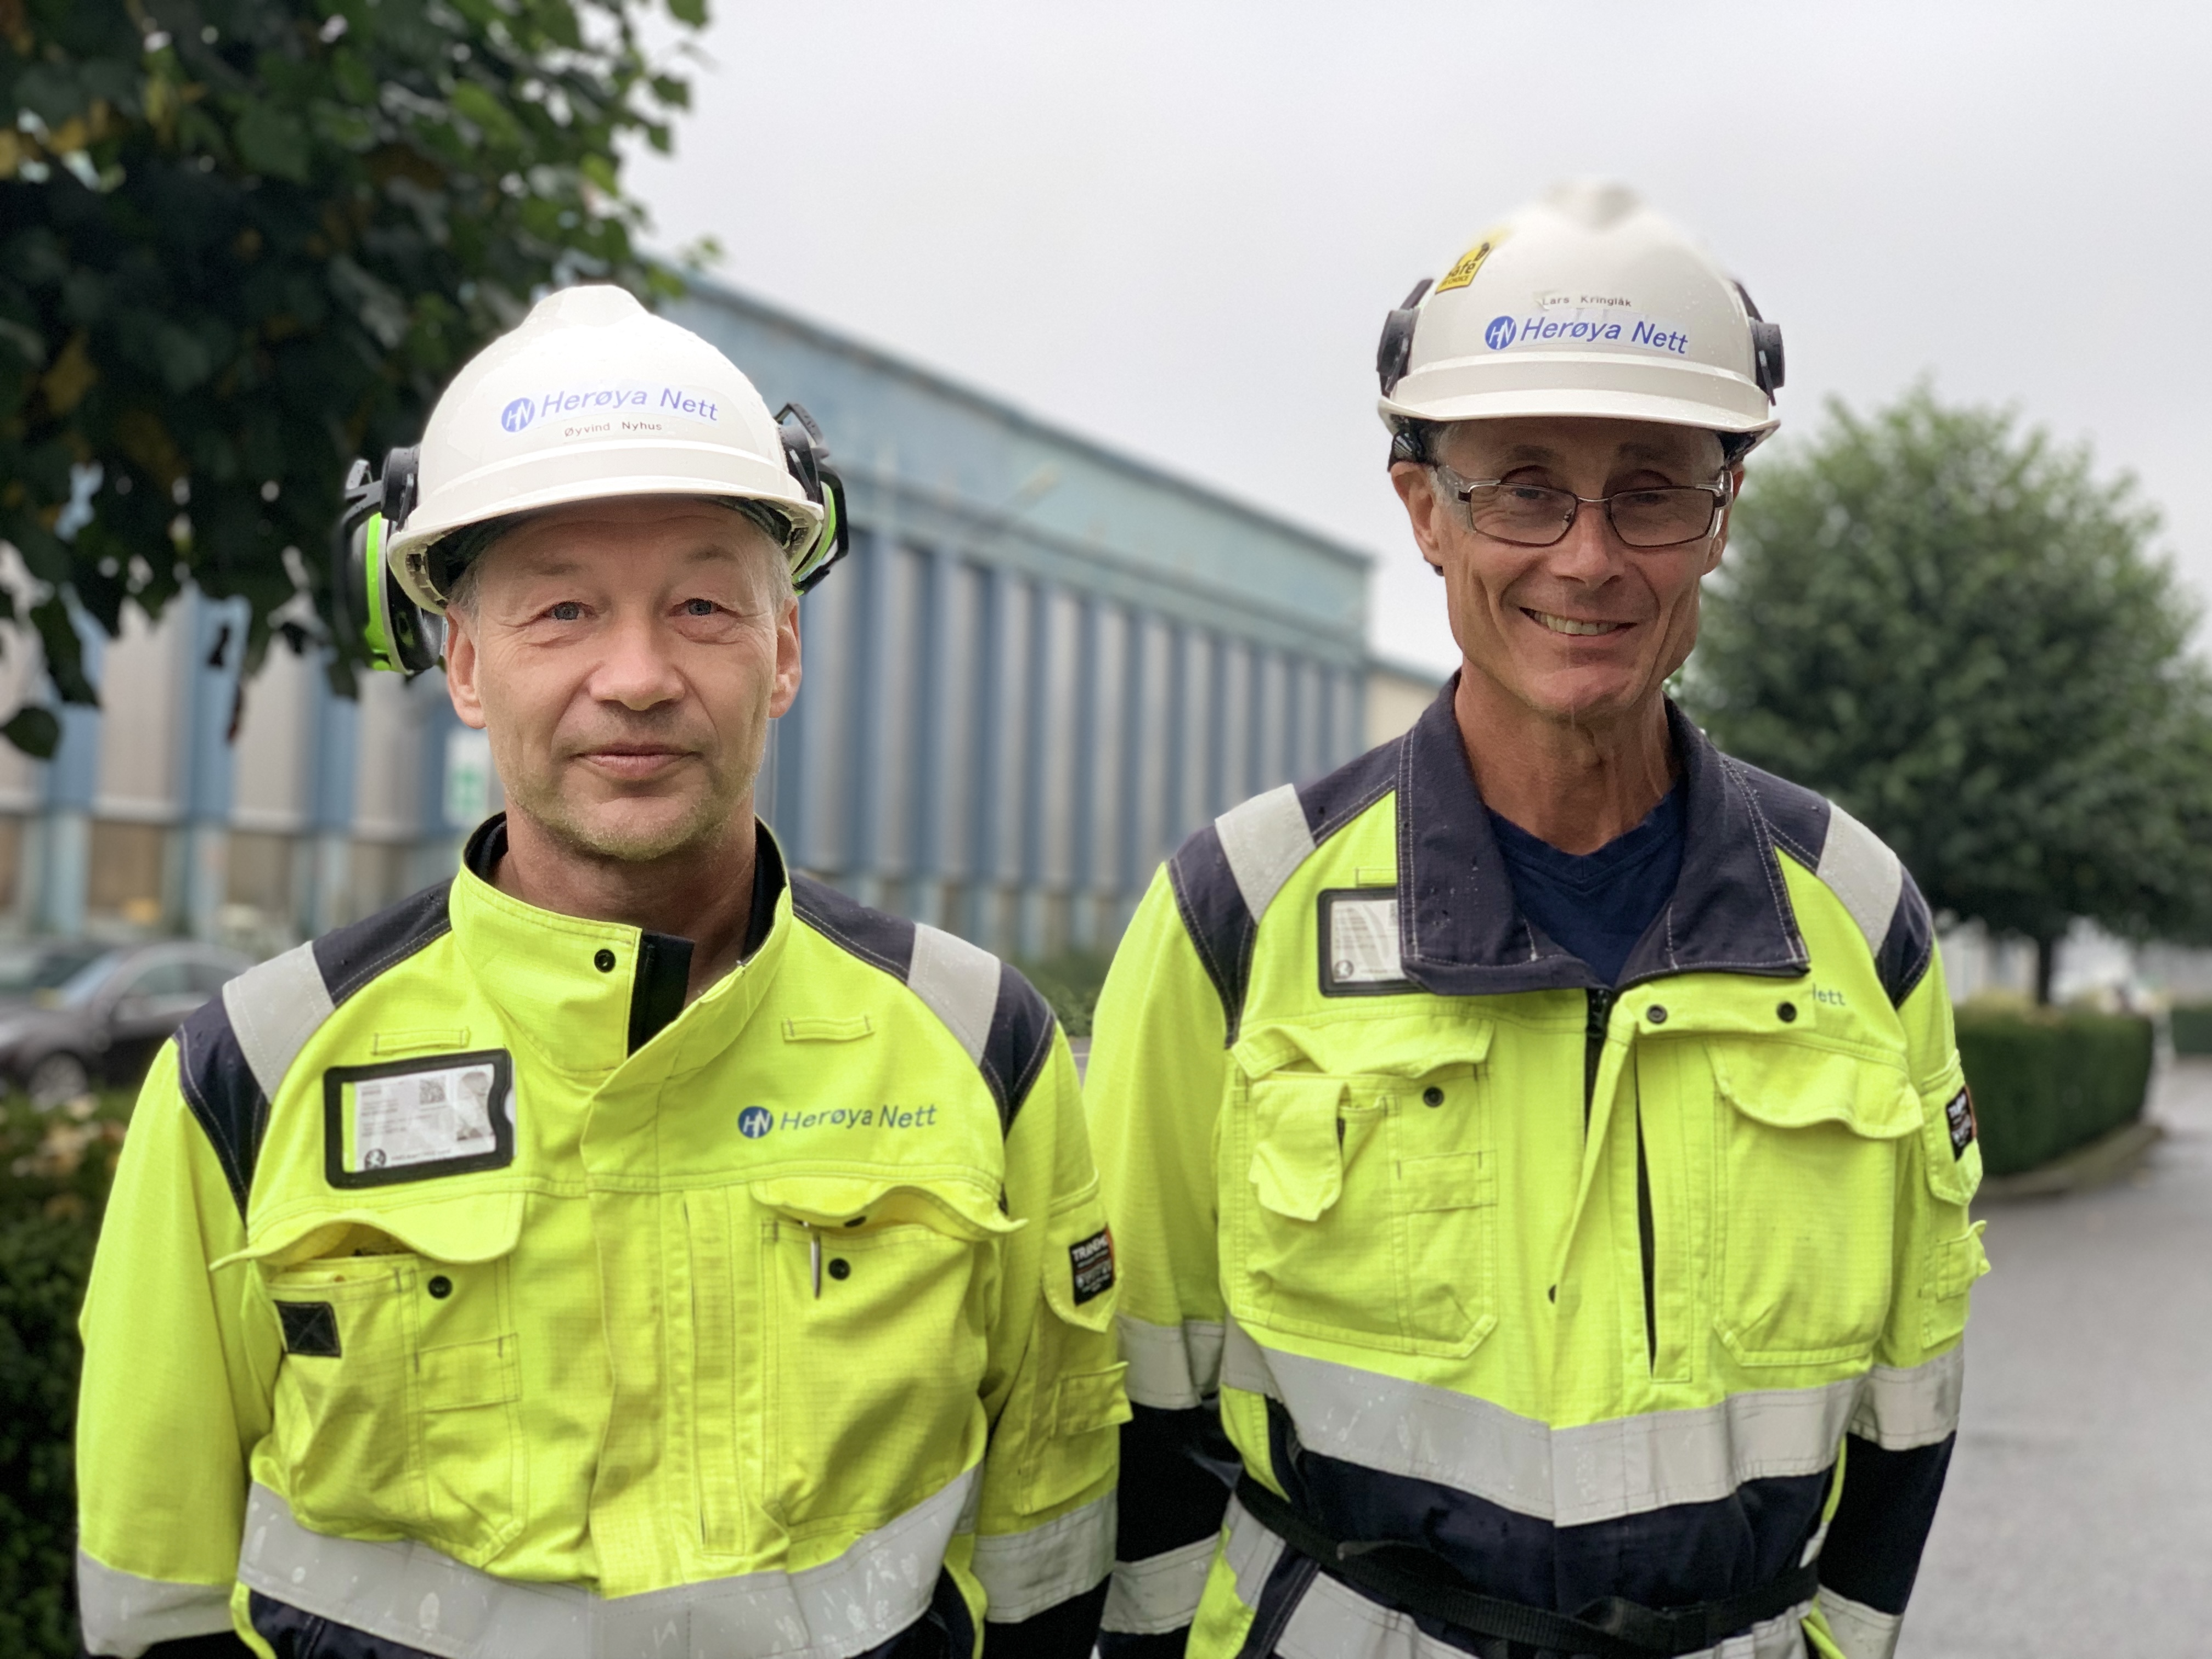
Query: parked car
(75,1014)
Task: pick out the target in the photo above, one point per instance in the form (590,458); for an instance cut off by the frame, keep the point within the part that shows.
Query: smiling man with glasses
(1536,1153)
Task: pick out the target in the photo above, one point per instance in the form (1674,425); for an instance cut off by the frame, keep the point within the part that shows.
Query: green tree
(1954,628)
(243,241)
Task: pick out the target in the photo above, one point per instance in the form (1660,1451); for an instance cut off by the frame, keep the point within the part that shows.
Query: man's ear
(787,661)
(1417,488)
(461,663)
(1728,521)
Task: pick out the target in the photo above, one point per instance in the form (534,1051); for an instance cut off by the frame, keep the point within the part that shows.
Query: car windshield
(26,969)
(84,985)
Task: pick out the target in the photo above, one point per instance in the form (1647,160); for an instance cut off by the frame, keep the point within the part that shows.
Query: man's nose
(1589,551)
(635,668)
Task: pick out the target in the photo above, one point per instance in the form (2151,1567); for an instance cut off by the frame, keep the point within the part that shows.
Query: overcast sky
(1177,227)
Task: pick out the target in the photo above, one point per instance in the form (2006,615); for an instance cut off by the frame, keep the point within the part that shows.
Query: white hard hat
(1586,302)
(594,397)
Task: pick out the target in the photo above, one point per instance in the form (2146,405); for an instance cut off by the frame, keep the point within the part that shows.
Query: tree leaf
(34,729)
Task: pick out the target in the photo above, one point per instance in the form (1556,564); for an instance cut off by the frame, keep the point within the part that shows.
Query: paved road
(2078,1519)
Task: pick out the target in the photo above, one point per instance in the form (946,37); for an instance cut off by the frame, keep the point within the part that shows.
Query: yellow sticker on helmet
(1462,272)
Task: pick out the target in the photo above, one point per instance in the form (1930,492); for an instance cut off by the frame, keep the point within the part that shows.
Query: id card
(413,1119)
(1359,944)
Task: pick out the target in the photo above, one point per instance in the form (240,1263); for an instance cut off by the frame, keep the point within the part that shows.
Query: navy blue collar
(1462,933)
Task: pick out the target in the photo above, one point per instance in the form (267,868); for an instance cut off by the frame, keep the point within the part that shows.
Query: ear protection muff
(807,456)
(1765,347)
(397,634)
(1395,349)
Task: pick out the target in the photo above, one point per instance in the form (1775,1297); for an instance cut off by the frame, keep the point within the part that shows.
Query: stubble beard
(710,819)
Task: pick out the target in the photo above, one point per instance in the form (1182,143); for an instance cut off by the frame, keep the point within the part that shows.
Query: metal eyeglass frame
(1723,494)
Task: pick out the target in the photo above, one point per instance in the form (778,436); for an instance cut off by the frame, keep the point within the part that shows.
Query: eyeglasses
(1532,515)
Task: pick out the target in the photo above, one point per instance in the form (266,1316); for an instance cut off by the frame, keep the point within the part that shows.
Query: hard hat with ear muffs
(1587,303)
(592,398)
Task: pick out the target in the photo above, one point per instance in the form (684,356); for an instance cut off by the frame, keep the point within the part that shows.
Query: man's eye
(699,607)
(567,610)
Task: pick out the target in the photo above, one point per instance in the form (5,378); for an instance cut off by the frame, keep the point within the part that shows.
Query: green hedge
(2048,1081)
(2192,1028)
(54,1176)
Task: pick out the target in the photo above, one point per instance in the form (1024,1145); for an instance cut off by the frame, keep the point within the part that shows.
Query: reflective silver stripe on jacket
(1332,1620)
(1025,1573)
(274,1008)
(1172,1368)
(1570,1477)
(1917,1405)
(410,1594)
(1862,873)
(1265,840)
(125,1614)
(1160,1593)
(1860,1631)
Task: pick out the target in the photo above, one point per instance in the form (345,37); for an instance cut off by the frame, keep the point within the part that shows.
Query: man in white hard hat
(1537,1152)
(629,1248)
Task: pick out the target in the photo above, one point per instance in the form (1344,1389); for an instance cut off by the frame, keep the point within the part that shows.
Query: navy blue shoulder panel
(1020,1041)
(885,942)
(1214,915)
(220,1088)
(1222,927)
(223,1093)
(352,955)
(1909,946)
(1333,801)
(1798,817)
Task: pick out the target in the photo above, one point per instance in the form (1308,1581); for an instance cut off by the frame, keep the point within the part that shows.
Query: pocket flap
(464,1230)
(1090,1401)
(1394,1045)
(1792,1086)
(1297,1160)
(1957,1263)
(962,1208)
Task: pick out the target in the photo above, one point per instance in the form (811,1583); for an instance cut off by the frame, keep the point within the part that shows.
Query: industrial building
(1042,665)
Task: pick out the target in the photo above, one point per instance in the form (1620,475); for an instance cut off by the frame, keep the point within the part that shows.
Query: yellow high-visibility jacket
(466,1293)
(1570,1291)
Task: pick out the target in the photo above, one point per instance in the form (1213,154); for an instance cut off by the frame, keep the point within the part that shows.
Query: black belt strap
(1406,1576)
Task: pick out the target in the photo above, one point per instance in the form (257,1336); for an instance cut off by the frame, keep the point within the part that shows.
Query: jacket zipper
(1601,998)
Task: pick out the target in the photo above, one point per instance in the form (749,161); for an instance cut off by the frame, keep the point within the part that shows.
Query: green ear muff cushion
(375,631)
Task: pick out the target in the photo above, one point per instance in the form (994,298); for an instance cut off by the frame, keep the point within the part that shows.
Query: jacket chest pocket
(397,1407)
(1359,1185)
(1806,1154)
(875,1298)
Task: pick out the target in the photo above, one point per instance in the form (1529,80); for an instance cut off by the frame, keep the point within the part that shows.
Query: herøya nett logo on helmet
(518,415)
(754,1122)
(1499,334)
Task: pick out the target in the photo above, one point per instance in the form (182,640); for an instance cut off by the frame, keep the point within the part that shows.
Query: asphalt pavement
(2078,1518)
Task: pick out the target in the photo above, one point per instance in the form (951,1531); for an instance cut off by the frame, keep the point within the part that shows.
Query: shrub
(2046,1081)
(54,1176)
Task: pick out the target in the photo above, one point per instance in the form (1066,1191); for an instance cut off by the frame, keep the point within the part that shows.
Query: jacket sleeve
(1044,1532)
(1899,1447)
(1158,1064)
(178,1365)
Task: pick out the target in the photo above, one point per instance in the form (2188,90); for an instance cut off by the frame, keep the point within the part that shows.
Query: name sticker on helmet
(629,398)
(1585,328)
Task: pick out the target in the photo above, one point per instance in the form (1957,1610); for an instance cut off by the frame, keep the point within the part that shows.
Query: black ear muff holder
(808,457)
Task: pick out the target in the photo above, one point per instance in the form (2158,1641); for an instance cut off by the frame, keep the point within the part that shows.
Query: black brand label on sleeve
(1960,1113)
(1092,1260)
